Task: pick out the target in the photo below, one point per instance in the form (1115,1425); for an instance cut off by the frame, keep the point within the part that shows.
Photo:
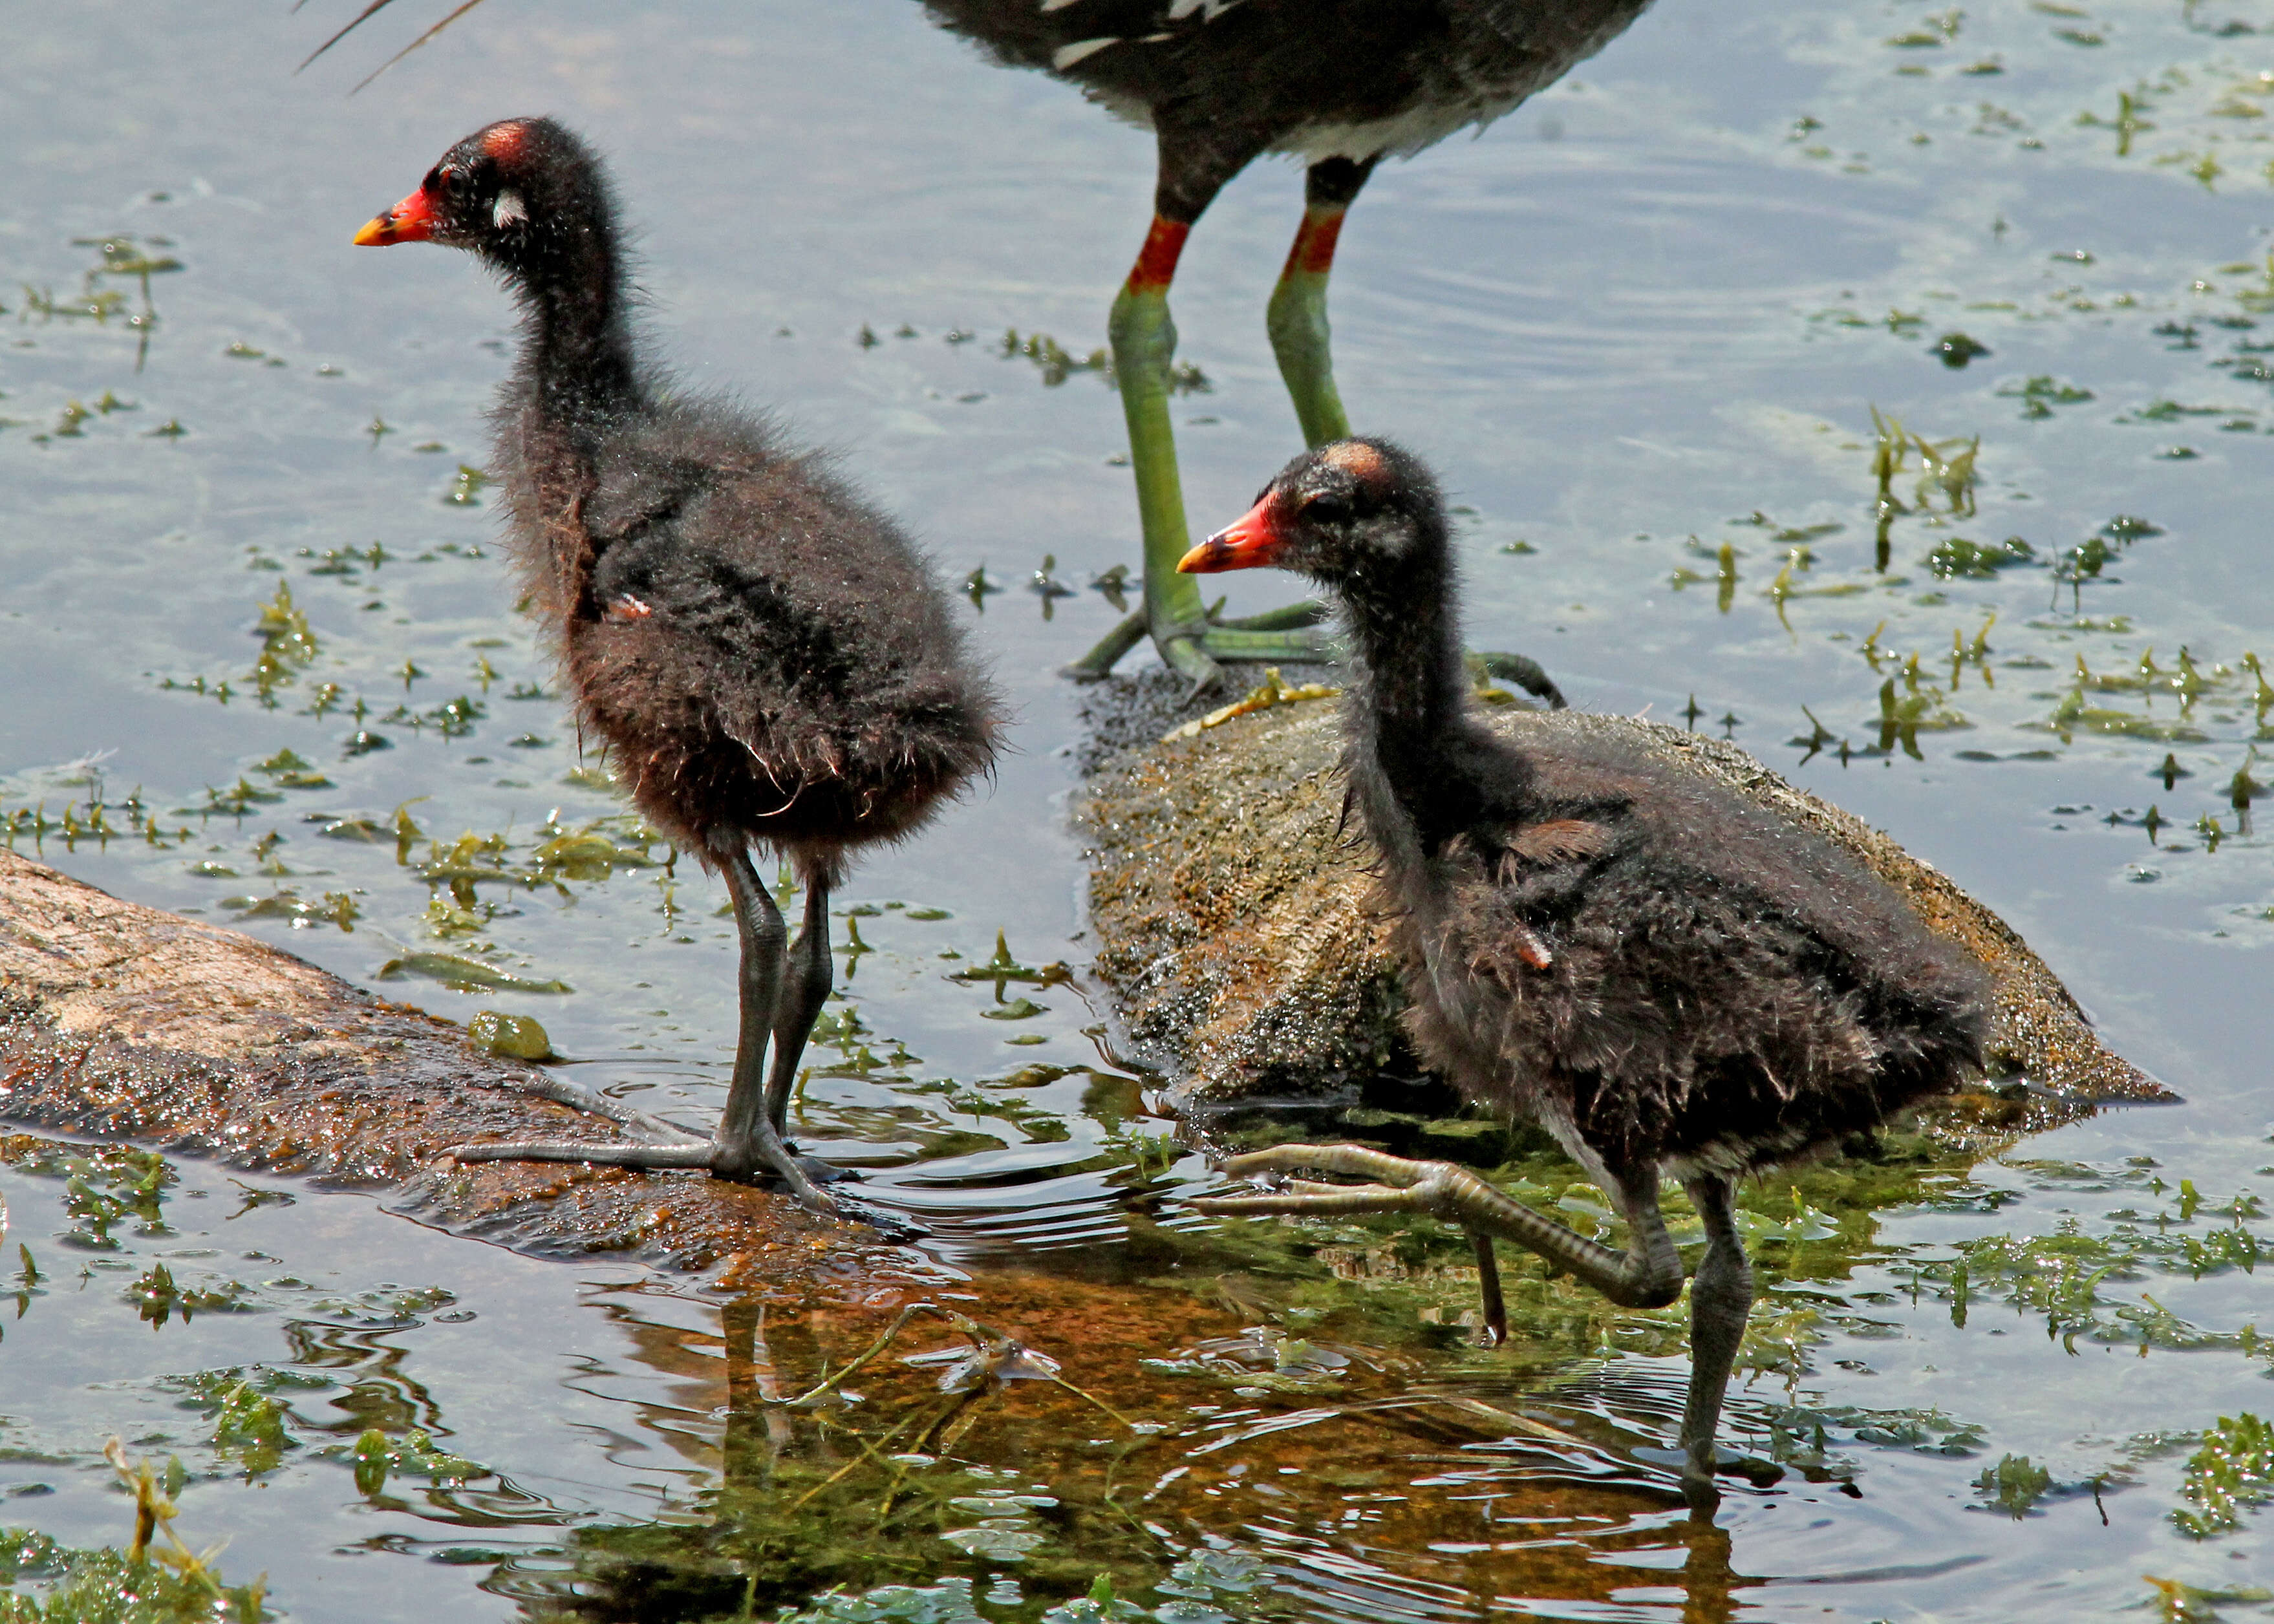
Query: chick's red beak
(411,221)
(1250,542)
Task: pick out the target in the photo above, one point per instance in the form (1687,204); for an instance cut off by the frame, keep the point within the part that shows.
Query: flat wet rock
(130,1022)
(1230,903)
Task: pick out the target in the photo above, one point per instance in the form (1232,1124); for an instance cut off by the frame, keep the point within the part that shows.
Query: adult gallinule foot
(766,655)
(1672,981)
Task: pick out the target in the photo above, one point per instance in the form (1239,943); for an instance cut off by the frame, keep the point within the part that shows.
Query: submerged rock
(126,1021)
(1230,903)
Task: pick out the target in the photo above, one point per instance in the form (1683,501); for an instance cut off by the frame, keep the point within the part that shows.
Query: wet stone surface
(1235,919)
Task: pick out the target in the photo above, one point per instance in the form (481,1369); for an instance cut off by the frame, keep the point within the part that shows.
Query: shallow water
(1648,315)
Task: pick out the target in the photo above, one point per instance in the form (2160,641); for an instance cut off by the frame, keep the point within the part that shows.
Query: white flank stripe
(1066,56)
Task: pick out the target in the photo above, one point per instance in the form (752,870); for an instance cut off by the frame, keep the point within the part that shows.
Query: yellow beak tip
(376,233)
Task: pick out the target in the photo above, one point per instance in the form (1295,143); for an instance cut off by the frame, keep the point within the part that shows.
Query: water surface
(1642,326)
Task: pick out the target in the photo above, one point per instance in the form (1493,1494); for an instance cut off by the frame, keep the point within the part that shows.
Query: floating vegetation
(103,1186)
(1270,692)
(1919,708)
(2041,394)
(556,855)
(510,1037)
(334,908)
(1056,363)
(1955,349)
(453,718)
(461,973)
(979,589)
(1052,360)
(1961,559)
(2067,1278)
(466,489)
(2186,681)
(88,820)
(157,1297)
(157,1580)
(376,1457)
(287,645)
(2232,1473)
(1948,466)
(1002,967)
(1045,584)
(1113,585)
(2014,1485)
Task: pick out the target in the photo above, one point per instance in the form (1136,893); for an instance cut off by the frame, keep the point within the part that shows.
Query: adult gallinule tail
(766,655)
(1673,982)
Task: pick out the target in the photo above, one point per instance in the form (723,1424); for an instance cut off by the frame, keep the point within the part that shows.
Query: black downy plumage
(765,654)
(1673,981)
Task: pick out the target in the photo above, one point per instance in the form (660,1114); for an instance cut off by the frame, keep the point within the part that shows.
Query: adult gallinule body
(1340,84)
(765,654)
(1673,982)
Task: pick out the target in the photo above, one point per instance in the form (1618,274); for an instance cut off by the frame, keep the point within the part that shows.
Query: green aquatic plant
(157,1297)
(2040,393)
(466,488)
(1958,559)
(2014,1485)
(1051,359)
(338,908)
(104,1186)
(1921,708)
(461,973)
(1949,465)
(157,1580)
(376,1456)
(1002,967)
(1210,1587)
(1956,349)
(2231,1473)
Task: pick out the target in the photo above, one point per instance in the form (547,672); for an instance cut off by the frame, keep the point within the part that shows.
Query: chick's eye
(1326,510)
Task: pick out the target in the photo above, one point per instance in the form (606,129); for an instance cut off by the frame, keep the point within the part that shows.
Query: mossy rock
(1228,894)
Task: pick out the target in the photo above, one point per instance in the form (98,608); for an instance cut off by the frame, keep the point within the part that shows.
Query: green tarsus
(1144,341)
(1297,321)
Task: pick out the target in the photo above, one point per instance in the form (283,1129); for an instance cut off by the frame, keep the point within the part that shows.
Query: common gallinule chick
(1340,84)
(1673,982)
(766,655)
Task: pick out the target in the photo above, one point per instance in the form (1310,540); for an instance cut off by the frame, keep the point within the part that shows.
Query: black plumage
(765,653)
(1672,980)
(1221,82)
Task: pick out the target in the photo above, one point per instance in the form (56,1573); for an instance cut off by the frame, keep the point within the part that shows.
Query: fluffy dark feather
(767,655)
(1670,978)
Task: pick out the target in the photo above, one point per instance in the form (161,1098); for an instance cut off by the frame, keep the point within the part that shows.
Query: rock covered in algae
(1229,905)
(125,1021)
